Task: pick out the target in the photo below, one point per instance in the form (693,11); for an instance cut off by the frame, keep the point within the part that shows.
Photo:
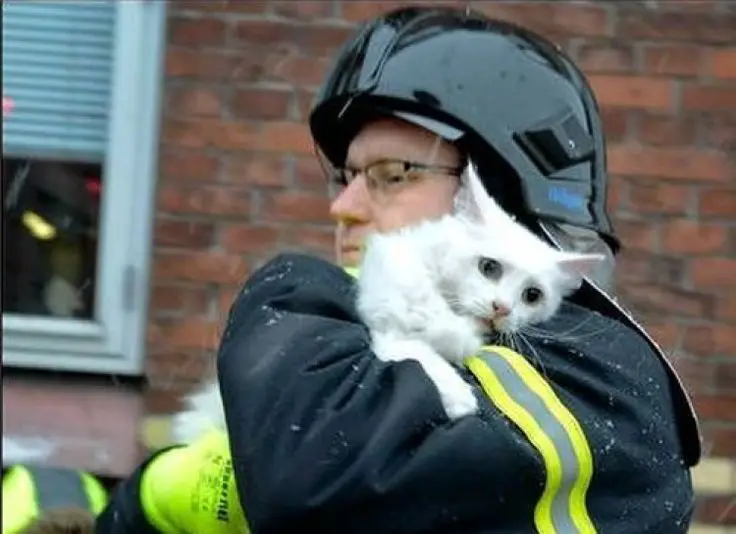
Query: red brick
(724,63)
(256,169)
(264,32)
(632,267)
(718,202)
(674,60)
(638,235)
(296,207)
(305,100)
(311,40)
(615,123)
(715,273)
(202,267)
(616,194)
(633,92)
(555,20)
(225,299)
(655,299)
(676,164)
(319,241)
(720,132)
(705,98)
(211,200)
(200,65)
(726,307)
(261,104)
(210,133)
(182,334)
(187,300)
(178,371)
(719,439)
(645,266)
(304,10)
(659,198)
(323,41)
(247,239)
(220,6)
(666,334)
(712,340)
(606,58)
(188,101)
(662,130)
(716,509)
(183,234)
(284,137)
(179,165)
(687,26)
(363,10)
(696,375)
(301,71)
(682,236)
(165,398)
(715,407)
(725,378)
(196,32)
(309,174)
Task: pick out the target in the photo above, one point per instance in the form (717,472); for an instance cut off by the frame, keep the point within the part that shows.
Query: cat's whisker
(562,336)
(575,327)
(537,358)
(564,333)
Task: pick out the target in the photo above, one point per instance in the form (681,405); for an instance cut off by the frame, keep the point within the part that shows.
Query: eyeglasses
(385,175)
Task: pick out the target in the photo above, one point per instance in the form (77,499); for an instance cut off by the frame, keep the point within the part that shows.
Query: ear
(579,264)
(472,198)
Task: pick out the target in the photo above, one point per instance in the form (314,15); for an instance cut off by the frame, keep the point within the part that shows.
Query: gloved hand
(191,489)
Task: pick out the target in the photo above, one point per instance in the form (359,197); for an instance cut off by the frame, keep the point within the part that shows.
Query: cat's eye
(532,295)
(490,268)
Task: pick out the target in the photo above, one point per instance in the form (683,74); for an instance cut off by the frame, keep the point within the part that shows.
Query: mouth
(346,250)
(492,324)
(486,324)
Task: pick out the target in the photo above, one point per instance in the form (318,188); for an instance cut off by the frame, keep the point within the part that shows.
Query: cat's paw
(457,339)
(458,399)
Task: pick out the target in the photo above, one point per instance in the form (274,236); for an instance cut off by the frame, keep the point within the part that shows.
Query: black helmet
(510,98)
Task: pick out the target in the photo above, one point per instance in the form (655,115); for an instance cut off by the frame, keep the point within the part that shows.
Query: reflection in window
(50,222)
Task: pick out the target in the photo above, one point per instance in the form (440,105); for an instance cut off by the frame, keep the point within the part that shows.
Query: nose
(500,310)
(351,205)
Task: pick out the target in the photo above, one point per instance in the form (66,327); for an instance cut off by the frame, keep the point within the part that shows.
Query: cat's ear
(574,267)
(579,264)
(472,199)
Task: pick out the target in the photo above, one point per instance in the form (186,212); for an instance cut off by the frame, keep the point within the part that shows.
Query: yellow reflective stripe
(575,433)
(524,396)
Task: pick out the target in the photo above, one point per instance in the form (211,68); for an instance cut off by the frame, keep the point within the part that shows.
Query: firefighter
(45,499)
(589,431)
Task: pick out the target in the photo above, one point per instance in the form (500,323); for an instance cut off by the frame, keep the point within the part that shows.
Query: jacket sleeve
(180,490)
(323,434)
(124,512)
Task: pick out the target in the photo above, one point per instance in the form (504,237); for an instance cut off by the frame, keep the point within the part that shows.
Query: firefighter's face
(384,191)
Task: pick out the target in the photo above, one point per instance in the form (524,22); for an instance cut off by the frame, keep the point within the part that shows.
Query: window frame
(115,340)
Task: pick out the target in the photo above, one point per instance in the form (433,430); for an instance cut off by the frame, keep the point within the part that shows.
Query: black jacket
(325,438)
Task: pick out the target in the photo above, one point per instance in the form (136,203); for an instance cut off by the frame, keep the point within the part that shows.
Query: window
(78,178)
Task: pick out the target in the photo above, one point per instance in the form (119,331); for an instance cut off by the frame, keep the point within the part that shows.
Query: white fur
(203,412)
(423,297)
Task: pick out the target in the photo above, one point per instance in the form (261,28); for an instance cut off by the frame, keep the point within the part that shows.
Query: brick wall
(237,176)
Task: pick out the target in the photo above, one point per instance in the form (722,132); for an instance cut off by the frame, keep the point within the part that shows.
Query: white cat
(431,292)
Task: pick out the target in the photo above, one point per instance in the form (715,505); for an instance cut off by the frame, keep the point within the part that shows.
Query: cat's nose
(500,310)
